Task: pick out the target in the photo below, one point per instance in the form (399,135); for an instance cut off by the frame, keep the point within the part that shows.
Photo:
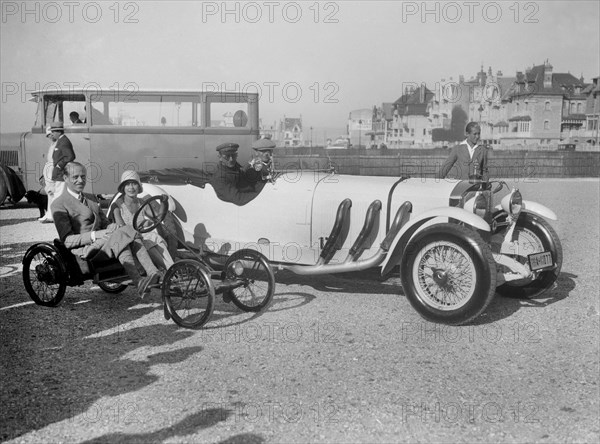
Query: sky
(318,60)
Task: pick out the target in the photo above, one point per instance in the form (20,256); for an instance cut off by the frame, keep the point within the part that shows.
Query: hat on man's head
(263,145)
(130,176)
(48,131)
(228,148)
(56,126)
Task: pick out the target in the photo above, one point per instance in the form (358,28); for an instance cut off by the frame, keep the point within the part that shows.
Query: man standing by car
(229,180)
(470,157)
(63,153)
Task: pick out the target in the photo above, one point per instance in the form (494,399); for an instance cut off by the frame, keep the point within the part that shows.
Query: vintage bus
(139,130)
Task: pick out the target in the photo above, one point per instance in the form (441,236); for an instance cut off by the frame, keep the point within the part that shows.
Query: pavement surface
(339,358)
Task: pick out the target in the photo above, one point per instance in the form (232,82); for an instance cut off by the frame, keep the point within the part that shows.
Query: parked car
(455,244)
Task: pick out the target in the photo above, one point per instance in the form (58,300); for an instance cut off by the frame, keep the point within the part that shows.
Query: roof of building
(562,83)
(415,102)
(290,122)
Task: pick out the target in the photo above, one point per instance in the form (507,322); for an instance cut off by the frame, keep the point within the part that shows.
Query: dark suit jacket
(63,154)
(231,185)
(464,166)
(75,222)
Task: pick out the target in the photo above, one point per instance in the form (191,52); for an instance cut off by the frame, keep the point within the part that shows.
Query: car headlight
(480,205)
(512,203)
(515,203)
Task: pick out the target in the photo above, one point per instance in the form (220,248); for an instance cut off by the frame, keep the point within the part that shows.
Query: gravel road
(335,359)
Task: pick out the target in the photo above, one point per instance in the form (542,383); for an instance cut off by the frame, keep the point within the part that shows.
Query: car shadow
(503,307)
(228,315)
(368,281)
(189,425)
(64,359)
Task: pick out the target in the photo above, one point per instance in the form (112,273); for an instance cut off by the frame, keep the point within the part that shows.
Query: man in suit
(63,153)
(85,230)
(229,180)
(469,157)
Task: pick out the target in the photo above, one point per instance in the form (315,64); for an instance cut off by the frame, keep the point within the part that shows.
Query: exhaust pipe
(401,218)
(370,219)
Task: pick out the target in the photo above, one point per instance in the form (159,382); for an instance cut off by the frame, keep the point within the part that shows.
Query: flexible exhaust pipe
(370,219)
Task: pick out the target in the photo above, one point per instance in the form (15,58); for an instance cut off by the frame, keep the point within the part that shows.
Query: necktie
(83,199)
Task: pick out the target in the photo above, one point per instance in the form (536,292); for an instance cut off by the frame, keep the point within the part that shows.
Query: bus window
(158,110)
(58,107)
(74,113)
(228,115)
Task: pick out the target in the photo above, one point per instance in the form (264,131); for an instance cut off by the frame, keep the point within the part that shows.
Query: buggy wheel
(112,287)
(448,274)
(44,275)
(188,293)
(256,278)
(531,235)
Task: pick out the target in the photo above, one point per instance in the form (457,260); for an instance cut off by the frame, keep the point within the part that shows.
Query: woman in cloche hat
(125,207)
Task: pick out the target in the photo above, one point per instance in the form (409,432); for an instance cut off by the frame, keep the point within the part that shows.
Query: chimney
(422,94)
(547,74)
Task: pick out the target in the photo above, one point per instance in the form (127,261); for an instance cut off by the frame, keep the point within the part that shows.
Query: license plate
(539,261)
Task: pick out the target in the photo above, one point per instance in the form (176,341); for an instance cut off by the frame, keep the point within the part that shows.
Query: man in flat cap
(229,181)
(260,167)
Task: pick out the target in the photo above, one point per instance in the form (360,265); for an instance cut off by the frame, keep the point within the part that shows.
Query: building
(287,132)
(544,107)
(410,122)
(488,104)
(360,122)
(592,109)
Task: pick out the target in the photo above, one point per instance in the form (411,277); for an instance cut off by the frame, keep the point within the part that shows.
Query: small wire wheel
(188,293)
(44,275)
(251,278)
(112,287)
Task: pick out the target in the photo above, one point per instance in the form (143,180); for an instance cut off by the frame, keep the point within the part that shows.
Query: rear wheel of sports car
(531,235)
(112,287)
(188,293)
(448,274)
(255,276)
(44,275)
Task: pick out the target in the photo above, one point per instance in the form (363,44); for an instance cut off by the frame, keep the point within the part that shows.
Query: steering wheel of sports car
(153,214)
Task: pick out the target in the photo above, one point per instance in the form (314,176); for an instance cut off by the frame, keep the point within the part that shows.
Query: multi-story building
(410,119)
(542,107)
(592,109)
(488,98)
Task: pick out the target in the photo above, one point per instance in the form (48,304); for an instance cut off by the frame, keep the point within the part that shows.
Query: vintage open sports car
(455,244)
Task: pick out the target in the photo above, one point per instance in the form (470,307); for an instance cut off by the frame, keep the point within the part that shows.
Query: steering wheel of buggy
(150,213)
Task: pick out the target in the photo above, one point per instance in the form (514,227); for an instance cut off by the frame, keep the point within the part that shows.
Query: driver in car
(230,181)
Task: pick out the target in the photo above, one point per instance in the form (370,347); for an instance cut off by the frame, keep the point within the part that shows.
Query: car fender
(155,190)
(401,240)
(535,208)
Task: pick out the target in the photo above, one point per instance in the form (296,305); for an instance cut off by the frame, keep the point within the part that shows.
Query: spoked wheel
(448,274)
(112,287)
(44,275)
(532,235)
(252,271)
(188,293)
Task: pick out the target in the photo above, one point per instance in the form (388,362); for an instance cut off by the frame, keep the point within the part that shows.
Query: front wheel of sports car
(448,274)
(255,275)
(188,293)
(533,235)
(44,275)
